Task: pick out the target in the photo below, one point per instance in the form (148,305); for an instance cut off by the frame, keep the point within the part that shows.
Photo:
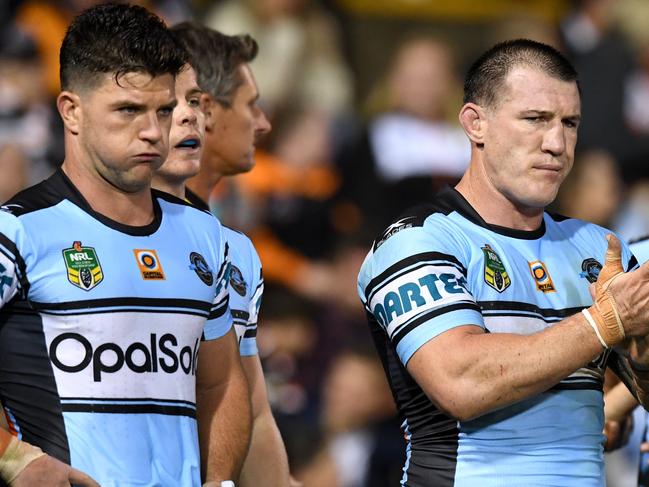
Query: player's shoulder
(242,251)
(189,213)
(418,222)
(46,194)
(640,248)
(237,237)
(576,230)
(424,233)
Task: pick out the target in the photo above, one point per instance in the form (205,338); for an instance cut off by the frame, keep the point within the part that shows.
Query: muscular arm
(223,409)
(467,372)
(266,463)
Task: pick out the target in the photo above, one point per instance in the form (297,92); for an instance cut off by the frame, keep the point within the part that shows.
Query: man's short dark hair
(119,39)
(485,79)
(216,58)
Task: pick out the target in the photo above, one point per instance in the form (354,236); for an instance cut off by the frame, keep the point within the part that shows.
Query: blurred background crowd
(363,96)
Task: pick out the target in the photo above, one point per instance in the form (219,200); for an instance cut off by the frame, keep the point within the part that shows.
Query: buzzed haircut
(117,39)
(486,77)
(216,58)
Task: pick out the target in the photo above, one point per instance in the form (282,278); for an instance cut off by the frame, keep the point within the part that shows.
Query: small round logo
(237,281)
(148,260)
(200,267)
(590,269)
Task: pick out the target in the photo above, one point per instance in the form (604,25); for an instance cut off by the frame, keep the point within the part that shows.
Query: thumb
(612,261)
(76,477)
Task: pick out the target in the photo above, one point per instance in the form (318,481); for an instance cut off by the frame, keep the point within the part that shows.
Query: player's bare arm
(467,372)
(266,463)
(223,409)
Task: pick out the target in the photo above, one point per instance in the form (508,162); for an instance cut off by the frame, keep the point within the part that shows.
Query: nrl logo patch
(199,266)
(237,281)
(590,269)
(84,270)
(495,274)
(541,277)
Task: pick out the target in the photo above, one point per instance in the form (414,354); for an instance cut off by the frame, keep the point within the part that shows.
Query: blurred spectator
(409,150)
(604,60)
(362,442)
(47,21)
(593,190)
(299,60)
(288,205)
(14,168)
(29,122)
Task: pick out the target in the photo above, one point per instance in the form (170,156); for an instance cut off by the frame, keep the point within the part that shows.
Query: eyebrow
(194,91)
(545,113)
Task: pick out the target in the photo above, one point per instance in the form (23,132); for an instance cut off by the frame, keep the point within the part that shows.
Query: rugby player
(479,301)
(116,341)
(234,123)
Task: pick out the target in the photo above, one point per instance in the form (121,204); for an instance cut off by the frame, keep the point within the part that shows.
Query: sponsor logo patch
(495,274)
(590,269)
(82,264)
(415,292)
(149,264)
(199,266)
(541,277)
(395,228)
(72,352)
(237,281)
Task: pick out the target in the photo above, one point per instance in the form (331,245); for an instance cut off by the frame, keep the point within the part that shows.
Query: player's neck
(203,183)
(494,207)
(176,188)
(132,209)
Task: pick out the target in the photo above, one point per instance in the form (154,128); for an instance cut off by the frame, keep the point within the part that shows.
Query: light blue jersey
(246,284)
(246,287)
(100,330)
(442,267)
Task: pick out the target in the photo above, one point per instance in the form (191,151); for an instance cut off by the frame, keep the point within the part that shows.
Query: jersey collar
(70,192)
(451,200)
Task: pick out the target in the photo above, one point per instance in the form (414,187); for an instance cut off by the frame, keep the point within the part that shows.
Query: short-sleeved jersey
(246,284)
(443,266)
(100,329)
(640,249)
(246,287)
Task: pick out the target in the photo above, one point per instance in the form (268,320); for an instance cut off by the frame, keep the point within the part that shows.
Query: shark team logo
(590,270)
(82,264)
(237,281)
(495,274)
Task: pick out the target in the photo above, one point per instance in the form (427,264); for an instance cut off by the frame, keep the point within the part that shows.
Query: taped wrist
(16,457)
(604,317)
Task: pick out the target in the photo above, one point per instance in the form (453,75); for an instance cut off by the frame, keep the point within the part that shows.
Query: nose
(554,139)
(184,114)
(151,131)
(263,125)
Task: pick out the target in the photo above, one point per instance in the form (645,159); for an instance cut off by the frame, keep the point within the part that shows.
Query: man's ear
(473,121)
(208,107)
(69,106)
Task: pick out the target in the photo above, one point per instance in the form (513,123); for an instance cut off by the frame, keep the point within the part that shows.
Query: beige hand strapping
(603,315)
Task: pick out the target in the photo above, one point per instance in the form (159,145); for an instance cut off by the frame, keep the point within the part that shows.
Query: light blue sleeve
(13,273)
(219,321)
(415,286)
(248,341)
